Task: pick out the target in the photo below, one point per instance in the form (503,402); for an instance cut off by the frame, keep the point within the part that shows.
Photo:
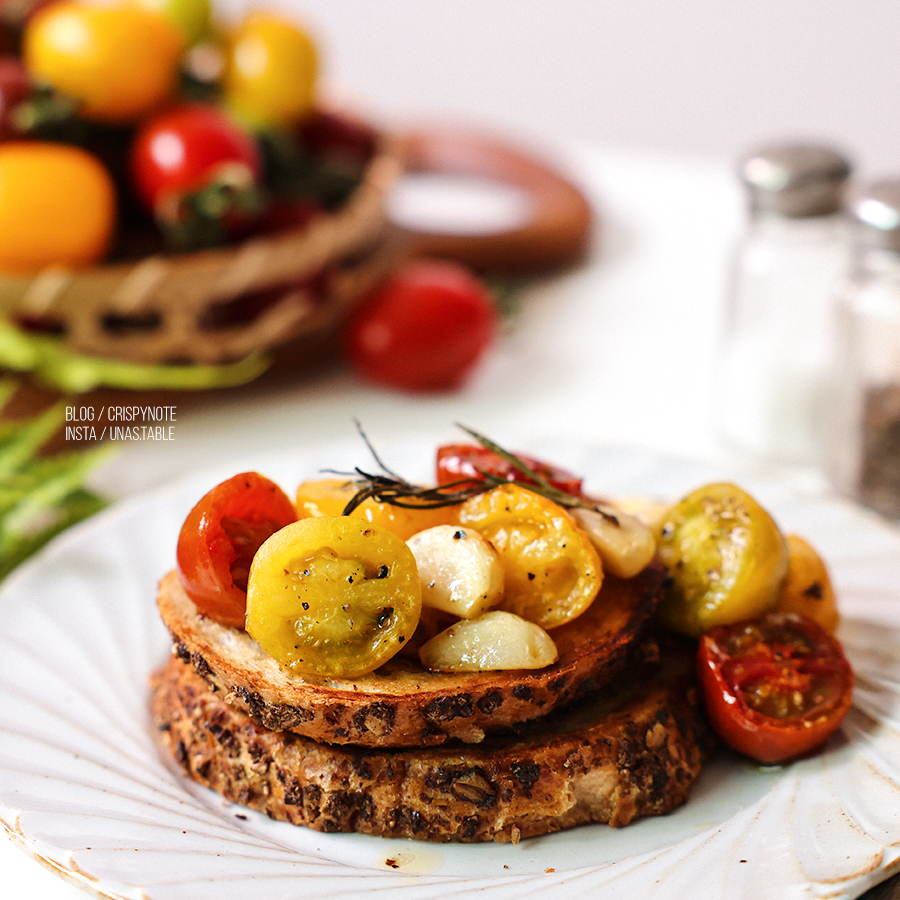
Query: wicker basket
(294,289)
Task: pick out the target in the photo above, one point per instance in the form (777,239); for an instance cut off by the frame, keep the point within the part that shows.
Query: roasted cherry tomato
(726,557)
(330,496)
(219,538)
(57,206)
(121,61)
(194,160)
(808,589)
(552,570)
(776,688)
(460,462)
(424,329)
(270,71)
(333,596)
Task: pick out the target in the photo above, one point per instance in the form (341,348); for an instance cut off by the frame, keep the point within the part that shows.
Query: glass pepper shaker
(864,447)
(777,343)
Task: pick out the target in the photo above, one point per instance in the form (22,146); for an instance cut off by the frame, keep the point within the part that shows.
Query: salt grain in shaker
(778,341)
(864,449)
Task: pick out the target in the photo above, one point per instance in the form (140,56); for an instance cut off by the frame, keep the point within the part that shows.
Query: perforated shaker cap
(796,180)
(876,210)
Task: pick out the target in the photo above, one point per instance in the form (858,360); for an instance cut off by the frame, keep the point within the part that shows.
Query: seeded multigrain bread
(403,704)
(632,749)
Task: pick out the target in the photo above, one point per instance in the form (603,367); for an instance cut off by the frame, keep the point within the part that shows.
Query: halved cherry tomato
(57,206)
(333,596)
(459,462)
(121,61)
(552,569)
(330,496)
(191,149)
(776,688)
(424,329)
(219,539)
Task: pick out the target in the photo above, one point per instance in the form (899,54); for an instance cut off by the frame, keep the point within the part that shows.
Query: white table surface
(620,351)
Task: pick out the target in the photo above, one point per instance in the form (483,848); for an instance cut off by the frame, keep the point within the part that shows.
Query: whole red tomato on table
(424,329)
(219,539)
(776,688)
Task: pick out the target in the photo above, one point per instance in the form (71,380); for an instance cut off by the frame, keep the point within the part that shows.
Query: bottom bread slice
(634,749)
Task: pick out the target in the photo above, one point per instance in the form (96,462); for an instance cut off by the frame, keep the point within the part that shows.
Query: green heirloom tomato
(726,557)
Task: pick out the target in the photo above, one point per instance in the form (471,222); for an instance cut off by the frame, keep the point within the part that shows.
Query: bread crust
(633,749)
(402,704)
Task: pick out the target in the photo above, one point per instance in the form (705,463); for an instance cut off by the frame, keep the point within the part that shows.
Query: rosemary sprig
(394,490)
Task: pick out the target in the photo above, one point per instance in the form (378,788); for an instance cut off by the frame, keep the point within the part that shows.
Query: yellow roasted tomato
(808,588)
(726,557)
(333,596)
(552,570)
(329,497)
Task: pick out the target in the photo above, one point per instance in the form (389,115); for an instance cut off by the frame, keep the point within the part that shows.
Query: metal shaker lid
(876,210)
(796,180)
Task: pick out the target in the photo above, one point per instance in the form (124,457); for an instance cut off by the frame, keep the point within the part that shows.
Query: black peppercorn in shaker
(864,448)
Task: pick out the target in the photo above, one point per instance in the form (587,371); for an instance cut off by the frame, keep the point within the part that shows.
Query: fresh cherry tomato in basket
(57,206)
(271,70)
(194,160)
(776,688)
(459,462)
(424,329)
(219,539)
(121,61)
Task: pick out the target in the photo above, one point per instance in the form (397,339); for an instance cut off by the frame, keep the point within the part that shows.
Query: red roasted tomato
(190,148)
(776,688)
(219,539)
(457,462)
(424,329)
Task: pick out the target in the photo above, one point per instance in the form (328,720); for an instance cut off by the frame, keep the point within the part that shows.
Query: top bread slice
(402,704)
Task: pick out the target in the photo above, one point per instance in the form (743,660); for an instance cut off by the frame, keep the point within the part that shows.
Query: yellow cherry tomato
(120,61)
(271,70)
(193,17)
(726,557)
(552,570)
(808,588)
(333,596)
(57,207)
(329,497)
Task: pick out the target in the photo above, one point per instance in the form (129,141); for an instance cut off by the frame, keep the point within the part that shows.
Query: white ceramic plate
(83,787)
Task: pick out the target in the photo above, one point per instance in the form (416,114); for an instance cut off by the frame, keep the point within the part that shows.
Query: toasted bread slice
(403,704)
(632,749)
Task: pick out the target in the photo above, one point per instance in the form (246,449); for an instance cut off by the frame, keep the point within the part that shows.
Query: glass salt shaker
(777,343)
(864,447)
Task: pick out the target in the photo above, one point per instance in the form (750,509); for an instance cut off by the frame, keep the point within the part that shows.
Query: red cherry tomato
(459,462)
(776,688)
(219,539)
(187,149)
(15,87)
(424,329)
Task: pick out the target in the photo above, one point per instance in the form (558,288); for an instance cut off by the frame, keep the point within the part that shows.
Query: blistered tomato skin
(219,538)
(333,596)
(775,688)
(726,557)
